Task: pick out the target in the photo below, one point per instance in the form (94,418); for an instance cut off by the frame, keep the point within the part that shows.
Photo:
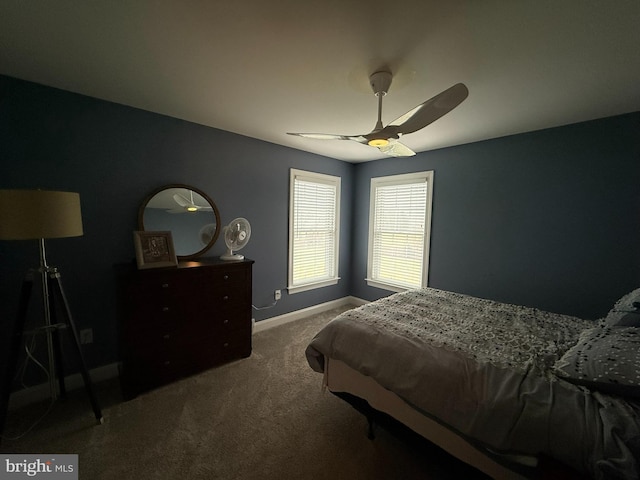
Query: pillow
(626,311)
(606,359)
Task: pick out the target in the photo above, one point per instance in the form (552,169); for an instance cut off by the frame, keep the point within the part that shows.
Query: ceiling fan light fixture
(378,142)
(192,208)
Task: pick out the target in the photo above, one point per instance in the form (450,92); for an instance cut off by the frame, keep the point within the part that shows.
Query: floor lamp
(39,215)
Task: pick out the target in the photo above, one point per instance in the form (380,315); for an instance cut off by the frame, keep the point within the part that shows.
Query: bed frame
(378,403)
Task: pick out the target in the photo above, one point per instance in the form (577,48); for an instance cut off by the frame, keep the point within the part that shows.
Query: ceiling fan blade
(181,200)
(397,149)
(330,136)
(429,111)
(319,136)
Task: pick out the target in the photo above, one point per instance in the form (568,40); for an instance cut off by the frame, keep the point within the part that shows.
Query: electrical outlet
(277,295)
(86,336)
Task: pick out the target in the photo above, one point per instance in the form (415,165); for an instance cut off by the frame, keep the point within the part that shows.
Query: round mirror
(190,215)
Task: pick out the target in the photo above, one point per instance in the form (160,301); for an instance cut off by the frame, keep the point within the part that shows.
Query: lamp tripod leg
(55,338)
(57,284)
(14,348)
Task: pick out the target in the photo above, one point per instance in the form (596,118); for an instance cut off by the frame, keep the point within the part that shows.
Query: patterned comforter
(483,368)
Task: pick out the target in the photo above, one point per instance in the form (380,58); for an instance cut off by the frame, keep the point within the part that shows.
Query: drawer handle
(165,285)
(165,309)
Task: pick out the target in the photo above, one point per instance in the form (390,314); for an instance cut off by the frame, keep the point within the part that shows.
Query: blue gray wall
(114,156)
(549,219)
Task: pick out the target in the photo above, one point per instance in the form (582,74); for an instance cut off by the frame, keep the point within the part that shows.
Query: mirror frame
(214,207)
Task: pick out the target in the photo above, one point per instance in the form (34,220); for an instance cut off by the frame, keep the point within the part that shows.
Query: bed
(497,385)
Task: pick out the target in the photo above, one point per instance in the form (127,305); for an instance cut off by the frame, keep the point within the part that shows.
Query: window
(399,231)
(314,217)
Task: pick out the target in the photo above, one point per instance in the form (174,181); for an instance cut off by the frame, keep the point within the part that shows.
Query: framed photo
(154,249)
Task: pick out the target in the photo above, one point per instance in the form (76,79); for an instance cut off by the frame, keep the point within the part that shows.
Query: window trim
(407,178)
(326,179)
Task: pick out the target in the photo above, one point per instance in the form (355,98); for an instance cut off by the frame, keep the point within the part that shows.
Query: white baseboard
(37,393)
(305,312)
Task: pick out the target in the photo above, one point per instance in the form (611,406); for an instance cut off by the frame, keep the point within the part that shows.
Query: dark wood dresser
(178,321)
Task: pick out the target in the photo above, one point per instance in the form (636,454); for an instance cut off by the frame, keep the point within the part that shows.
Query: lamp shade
(33,214)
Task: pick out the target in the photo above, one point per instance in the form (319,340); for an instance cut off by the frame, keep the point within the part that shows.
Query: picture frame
(154,249)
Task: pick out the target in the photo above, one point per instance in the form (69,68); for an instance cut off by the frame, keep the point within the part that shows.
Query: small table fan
(236,236)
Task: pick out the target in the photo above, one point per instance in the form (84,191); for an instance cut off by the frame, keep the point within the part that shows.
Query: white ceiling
(263,68)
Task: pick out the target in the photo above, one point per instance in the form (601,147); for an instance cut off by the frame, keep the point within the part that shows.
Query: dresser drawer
(230,323)
(144,373)
(150,365)
(151,342)
(167,315)
(149,316)
(228,300)
(152,284)
(233,275)
(218,349)
(184,344)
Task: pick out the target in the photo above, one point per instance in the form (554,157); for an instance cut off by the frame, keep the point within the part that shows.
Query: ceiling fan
(187,204)
(386,138)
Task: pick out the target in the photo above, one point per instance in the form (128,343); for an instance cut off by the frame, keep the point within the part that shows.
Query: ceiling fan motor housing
(380,82)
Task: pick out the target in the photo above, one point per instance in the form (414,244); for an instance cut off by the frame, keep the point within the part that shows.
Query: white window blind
(313,230)
(399,231)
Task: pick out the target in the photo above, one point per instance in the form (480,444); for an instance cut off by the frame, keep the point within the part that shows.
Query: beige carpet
(264,417)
